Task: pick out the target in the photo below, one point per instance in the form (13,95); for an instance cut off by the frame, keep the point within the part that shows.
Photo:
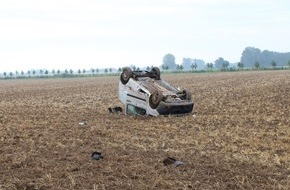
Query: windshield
(133,110)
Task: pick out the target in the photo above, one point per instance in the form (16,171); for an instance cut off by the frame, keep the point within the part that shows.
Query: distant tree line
(192,64)
(44,73)
(252,58)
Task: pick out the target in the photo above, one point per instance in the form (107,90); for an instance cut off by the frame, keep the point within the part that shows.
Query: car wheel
(126,75)
(187,94)
(156,71)
(154,99)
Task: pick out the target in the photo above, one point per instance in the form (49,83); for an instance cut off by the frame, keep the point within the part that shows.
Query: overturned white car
(145,93)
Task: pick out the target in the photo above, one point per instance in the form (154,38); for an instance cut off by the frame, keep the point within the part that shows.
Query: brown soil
(238,136)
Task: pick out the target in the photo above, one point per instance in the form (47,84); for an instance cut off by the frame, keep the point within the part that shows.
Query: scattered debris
(97,156)
(1,114)
(115,110)
(83,122)
(169,160)
(178,163)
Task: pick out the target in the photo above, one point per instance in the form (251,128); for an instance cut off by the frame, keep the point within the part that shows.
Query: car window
(133,110)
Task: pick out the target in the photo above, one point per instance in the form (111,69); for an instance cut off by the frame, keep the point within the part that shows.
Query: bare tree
(193,66)
(209,65)
(93,71)
(257,65)
(274,64)
(240,65)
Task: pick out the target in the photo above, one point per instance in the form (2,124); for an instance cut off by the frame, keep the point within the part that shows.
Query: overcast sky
(84,34)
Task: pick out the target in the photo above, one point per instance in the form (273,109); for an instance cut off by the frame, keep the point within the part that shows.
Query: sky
(84,34)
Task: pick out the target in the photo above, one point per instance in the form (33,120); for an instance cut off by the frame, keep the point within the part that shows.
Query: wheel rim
(155,98)
(125,75)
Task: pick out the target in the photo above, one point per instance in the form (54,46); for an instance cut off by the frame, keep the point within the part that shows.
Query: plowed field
(238,136)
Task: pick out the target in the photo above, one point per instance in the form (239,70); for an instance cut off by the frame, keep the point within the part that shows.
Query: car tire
(126,75)
(156,71)
(154,99)
(187,94)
